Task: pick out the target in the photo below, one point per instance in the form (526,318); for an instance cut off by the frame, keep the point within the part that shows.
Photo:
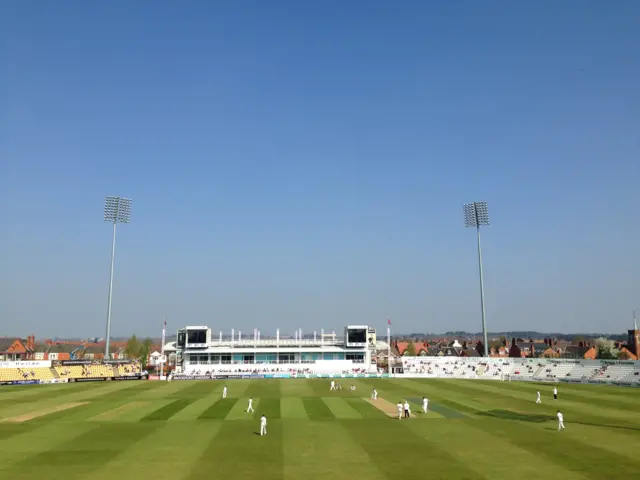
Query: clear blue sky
(303,164)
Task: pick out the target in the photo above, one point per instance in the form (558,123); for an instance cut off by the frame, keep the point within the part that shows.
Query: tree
(137,350)
(132,350)
(145,350)
(606,349)
(411,350)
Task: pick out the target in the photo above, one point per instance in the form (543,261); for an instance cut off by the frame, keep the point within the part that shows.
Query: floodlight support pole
(113,261)
(389,349)
(484,320)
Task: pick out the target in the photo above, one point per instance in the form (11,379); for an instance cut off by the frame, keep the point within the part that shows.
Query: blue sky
(304,164)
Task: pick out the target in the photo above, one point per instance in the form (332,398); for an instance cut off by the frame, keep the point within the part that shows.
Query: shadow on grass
(519,416)
(537,418)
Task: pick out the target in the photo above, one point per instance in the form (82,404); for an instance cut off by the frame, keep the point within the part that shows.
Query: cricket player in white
(555,393)
(224,392)
(425,404)
(407,409)
(560,421)
(333,385)
(263,425)
(538,399)
(250,407)
(399,410)
(374,394)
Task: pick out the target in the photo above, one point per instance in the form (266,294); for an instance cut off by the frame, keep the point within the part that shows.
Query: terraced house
(16,349)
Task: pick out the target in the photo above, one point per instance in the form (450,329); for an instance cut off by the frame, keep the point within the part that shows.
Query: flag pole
(389,346)
(164,333)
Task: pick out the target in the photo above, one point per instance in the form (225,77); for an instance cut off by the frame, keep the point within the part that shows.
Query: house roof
(402,347)
(6,342)
(574,351)
(62,347)
(470,352)
(629,352)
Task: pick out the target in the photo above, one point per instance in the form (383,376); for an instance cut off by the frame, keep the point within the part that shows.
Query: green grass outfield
(184,430)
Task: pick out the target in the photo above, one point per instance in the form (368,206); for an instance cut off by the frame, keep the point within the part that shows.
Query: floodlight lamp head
(476,214)
(117,210)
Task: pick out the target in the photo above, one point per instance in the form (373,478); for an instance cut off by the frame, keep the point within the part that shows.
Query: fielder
(374,394)
(399,406)
(425,404)
(333,385)
(224,392)
(538,399)
(555,393)
(560,421)
(263,425)
(250,407)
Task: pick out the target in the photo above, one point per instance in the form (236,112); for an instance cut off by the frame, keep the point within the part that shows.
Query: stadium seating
(27,373)
(320,367)
(84,371)
(521,369)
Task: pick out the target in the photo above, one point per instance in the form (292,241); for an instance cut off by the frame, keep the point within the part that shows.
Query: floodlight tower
(475,215)
(116,210)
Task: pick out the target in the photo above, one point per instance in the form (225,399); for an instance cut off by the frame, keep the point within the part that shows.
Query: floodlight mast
(475,215)
(116,210)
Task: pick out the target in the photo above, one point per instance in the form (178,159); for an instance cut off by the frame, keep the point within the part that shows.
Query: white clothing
(538,399)
(263,425)
(374,395)
(560,421)
(333,385)
(399,410)
(250,407)
(224,392)
(425,405)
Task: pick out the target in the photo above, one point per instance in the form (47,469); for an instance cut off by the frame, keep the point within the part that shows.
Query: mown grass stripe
(323,450)
(340,408)
(81,455)
(292,408)
(219,410)
(316,408)
(238,451)
(590,461)
(263,388)
(408,449)
(365,409)
(168,411)
(270,407)
(479,449)
(133,389)
(239,410)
